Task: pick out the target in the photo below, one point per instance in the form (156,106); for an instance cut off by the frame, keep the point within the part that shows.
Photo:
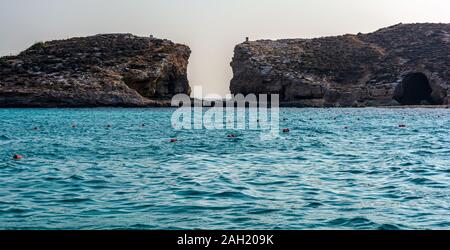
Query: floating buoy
(17,157)
(173,140)
(286,130)
(345,127)
(74,126)
(108,126)
(402,126)
(35,128)
(142,125)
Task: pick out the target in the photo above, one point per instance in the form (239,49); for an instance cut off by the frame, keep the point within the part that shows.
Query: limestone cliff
(102,70)
(406,64)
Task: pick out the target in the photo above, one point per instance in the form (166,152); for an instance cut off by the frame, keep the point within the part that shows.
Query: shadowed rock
(406,64)
(102,70)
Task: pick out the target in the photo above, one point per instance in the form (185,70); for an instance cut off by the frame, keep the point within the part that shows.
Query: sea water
(335,169)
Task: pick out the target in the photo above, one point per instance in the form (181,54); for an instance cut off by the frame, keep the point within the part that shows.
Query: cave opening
(415,89)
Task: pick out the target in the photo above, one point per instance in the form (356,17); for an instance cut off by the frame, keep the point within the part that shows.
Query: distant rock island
(118,70)
(405,64)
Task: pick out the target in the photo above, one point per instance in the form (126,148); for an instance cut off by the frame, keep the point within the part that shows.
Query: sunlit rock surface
(102,70)
(406,64)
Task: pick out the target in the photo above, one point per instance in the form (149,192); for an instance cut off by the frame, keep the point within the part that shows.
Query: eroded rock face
(378,69)
(102,70)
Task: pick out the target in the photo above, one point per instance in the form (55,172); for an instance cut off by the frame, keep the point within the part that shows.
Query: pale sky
(211,28)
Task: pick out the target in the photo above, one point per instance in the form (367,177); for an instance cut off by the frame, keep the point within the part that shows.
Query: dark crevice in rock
(143,87)
(415,89)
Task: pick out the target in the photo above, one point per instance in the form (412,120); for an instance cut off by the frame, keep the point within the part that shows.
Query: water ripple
(336,169)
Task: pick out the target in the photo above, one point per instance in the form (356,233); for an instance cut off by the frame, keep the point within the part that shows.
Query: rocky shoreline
(110,70)
(405,64)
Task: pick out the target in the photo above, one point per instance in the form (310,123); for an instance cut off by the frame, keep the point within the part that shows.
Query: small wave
(4,138)
(375,172)
(48,178)
(95,182)
(314,205)
(389,187)
(357,222)
(411,198)
(273,183)
(444,224)
(192,193)
(388,227)
(142,207)
(225,179)
(262,211)
(233,194)
(422,181)
(136,227)
(14,211)
(76,177)
(422,153)
(354,171)
(407,164)
(76,200)
(418,171)
(194,209)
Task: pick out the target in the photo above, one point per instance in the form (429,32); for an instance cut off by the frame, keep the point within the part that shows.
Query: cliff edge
(117,70)
(405,64)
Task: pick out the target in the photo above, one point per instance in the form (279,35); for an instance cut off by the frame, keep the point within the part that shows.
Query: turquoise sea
(336,169)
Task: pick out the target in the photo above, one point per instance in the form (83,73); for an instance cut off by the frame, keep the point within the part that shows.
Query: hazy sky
(210,27)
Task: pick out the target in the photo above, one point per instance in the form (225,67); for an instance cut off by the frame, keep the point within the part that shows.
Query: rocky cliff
(102,70)
(406,64)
